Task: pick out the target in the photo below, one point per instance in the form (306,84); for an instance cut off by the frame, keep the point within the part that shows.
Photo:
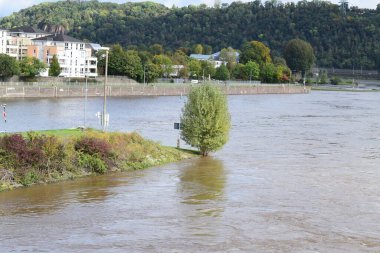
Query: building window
(81,46)
(66,45)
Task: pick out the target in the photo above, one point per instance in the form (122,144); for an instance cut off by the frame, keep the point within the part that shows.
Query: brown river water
(300,173)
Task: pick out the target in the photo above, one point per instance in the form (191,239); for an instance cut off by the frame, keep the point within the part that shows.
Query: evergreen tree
(206,119)
(55,68)
(222,73)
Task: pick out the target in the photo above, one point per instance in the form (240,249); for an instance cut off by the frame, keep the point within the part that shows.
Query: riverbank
(58,155)
(95,90)
(346,88)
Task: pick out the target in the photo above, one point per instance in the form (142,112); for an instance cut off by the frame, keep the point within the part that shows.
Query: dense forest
(341,38)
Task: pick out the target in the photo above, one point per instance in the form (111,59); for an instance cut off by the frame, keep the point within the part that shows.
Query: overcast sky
(9,6)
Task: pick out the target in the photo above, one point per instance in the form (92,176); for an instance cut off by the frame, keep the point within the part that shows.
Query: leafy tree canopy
(31,67)
(222,73)
(206,119)
(8,66)
(299,55)
(255,51)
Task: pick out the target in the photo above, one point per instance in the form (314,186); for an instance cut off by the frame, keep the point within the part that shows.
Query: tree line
(253,61)
(27,67)
(340,39)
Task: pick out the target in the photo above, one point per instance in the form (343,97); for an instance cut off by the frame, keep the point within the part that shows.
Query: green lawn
(73,132)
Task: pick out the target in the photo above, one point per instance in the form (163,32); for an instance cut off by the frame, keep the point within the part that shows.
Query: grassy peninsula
(51,156)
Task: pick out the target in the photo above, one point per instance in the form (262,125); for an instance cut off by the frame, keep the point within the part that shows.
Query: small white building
(74,56)
(212,58)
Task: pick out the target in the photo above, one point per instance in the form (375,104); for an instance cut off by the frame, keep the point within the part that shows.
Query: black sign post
(178,126)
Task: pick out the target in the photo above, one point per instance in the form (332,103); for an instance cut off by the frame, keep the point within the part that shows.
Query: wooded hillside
(340,40)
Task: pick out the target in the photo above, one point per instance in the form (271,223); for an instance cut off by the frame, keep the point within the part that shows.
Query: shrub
(92,163)
(54,152)
(30,177)
(93,146)
(335,80)
(29,153)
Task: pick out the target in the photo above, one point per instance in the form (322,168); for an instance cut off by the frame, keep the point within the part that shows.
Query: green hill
(341,41)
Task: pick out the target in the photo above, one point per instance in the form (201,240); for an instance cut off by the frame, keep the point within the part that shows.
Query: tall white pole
(105,95)
(85,105)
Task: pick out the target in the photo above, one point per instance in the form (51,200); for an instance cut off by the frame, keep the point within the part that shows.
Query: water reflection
(202,183)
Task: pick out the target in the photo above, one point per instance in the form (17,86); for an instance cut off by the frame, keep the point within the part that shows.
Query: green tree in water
(206,119)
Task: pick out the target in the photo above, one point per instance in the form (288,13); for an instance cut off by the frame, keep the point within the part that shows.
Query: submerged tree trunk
(204,152)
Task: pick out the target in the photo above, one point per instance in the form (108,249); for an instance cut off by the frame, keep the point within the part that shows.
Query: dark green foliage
(8,66)
(122,62)
(299,55)
(268,73)
(251,71)
(55,68)
(92,163)
(323,76)
(335,80)
(152,72)
(338,41)
(222,73)
(208,69)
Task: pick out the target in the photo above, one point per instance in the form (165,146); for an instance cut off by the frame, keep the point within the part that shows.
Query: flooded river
(300,173)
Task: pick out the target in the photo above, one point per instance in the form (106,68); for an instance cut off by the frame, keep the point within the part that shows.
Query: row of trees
(27,67)
(256,63)
(341,40)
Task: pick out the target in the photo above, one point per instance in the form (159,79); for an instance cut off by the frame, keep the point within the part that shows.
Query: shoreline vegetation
(57,155)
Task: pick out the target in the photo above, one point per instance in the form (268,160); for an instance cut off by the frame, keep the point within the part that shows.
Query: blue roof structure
(201,57)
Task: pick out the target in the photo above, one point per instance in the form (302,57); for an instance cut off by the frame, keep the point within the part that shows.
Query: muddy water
(301,173)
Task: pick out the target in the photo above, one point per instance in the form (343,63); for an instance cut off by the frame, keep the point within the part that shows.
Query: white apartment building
(74,56)
(3,41)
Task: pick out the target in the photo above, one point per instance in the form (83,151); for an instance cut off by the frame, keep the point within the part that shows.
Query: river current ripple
(300,174)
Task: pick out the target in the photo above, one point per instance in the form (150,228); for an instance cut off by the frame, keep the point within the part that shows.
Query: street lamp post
(104,116)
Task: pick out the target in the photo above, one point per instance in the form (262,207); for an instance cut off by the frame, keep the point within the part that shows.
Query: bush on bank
(41,158)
